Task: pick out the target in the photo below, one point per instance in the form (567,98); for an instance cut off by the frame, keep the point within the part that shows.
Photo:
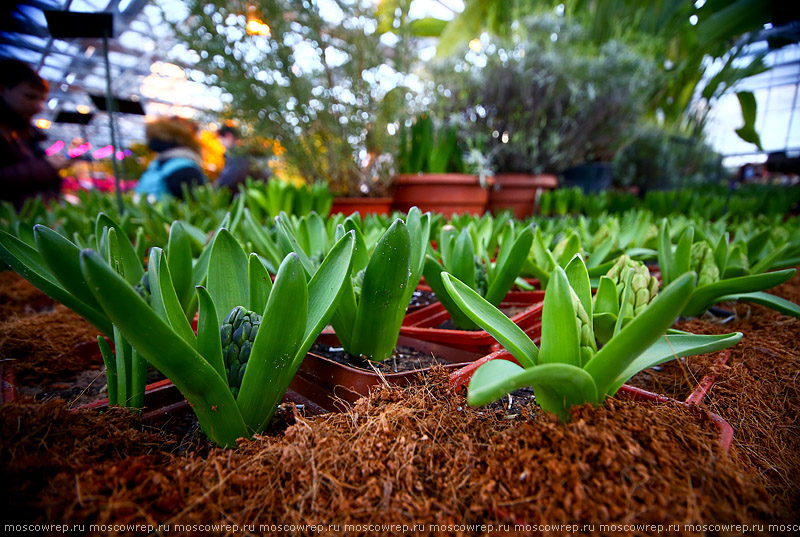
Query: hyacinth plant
(724,269)
(374,299)
(252,335)
(567,369)
(467,259)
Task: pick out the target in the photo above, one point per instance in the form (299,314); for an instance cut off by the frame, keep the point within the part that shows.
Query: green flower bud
(238,333)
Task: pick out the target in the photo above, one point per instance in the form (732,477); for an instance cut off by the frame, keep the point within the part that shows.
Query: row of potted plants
(359,276)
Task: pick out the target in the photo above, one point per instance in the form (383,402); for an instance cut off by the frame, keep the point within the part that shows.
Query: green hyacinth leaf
(63,259)
(640,333)
(560,337)
(133,268)
(265,380)
(325,291)
(765,299)
(558,387)
(495,322)
(706,296)
(669,347)
(259,284)
(508,266)
(163,297)
(28,263)
(433,277)
(227,274)
(209,344)
(179,258)
(385,280)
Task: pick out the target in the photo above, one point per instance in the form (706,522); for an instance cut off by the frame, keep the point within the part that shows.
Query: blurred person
(25,170)
(238,166)
(178,161)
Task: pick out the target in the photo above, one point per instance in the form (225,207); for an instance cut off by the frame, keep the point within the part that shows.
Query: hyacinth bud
(702,262)
(481,281)
(143,287)
(644,287)
(358,281)
(587,342)
(238,333)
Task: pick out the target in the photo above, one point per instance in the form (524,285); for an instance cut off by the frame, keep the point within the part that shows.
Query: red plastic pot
(422,323)
(460,379)
(348,206)
(519,192)
(445,193)
(334,386)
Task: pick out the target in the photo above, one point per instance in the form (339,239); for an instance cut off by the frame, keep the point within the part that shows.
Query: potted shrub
(548,104)
(433,172)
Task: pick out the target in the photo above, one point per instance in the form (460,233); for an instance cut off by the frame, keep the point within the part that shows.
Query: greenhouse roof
(137,54)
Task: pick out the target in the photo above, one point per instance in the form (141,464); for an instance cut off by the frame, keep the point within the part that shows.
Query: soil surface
(417,455)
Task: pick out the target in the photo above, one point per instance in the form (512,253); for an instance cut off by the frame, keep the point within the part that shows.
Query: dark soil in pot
(404,359)
(414,455)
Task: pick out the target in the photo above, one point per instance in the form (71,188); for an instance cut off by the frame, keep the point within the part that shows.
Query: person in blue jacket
(177,163)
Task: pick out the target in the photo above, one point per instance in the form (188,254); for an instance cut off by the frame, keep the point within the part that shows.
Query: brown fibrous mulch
(41,348)
(414,455)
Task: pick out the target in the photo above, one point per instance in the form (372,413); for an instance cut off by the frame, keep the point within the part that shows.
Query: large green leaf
(164,299)
(63,259)
(508,266)
(179,258)
(209,343)
(27,262)
(325,290)
(765,299)
(560,336)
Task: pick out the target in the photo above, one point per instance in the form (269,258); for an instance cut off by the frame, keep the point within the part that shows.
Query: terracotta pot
(422,323)
(460,378)
(349,206)
(519,192)
(334,386)
(446,193)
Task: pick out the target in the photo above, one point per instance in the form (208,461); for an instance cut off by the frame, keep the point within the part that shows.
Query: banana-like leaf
(207,393)
(765,299)
(227,274)
(566,385)
(640,333)
(669,347)
(706,296)
(488,317)
(283,323)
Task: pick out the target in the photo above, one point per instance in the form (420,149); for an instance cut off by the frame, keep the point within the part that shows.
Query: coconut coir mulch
(415,455)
